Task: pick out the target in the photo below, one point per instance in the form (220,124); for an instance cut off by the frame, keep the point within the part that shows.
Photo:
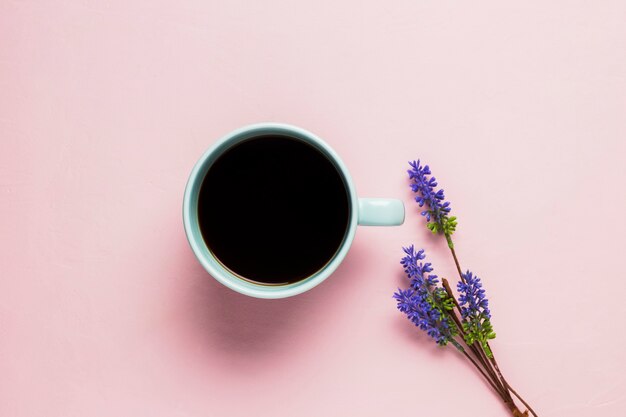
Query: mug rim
(190,219)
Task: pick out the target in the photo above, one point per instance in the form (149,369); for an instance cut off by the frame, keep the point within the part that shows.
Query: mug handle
(380,212)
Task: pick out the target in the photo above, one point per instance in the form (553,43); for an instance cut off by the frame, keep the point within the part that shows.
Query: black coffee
(273,209)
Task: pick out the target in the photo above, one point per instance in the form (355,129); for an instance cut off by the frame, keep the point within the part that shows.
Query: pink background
(520,110)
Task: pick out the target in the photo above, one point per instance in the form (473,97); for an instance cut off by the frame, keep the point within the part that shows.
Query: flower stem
(483,373)
(507,389)
(510,388)
(456,260)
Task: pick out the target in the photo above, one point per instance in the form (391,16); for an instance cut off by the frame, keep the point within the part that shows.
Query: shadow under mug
(363,211)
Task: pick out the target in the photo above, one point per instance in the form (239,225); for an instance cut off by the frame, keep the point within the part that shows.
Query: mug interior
(192,227)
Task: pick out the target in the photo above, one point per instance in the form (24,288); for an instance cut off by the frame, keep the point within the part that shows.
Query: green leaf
(448,225)
(433,227)
(488,351)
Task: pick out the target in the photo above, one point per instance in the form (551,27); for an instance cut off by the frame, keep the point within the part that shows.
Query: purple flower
(477,325)
(419,273)
(422,303)
(427,196)
(472,297)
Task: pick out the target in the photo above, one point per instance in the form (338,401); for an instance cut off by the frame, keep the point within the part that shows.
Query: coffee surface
(273,209)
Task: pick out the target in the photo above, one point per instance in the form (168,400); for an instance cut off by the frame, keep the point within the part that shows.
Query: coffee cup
(270,210)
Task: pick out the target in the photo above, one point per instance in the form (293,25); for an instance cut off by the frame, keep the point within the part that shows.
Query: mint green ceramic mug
(362,211)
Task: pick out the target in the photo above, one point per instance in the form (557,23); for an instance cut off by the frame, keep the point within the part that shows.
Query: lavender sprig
(436,209)
(424,304)
(433,308)
(475,312)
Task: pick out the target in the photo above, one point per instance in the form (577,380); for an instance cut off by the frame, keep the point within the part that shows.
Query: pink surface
(520,109)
